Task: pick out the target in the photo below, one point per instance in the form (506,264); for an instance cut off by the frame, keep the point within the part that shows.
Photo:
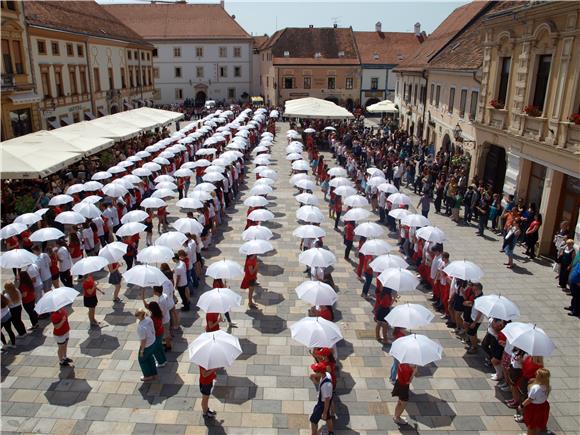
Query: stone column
(512,174)
(549,207)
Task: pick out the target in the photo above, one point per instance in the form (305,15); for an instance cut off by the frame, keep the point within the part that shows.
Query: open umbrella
(200,195)
(60,199)
(345,191)
(337,172)
(134,216)
(387,188)
(225,269)
(375,171)
(398,199)
(206,187)
(113,251)
(257,232)
(356,214)
(416,349)
(12,229)
(92,186)
(261,215)
(265,181)
(307,199)
(163,193)
(153,203)
(212,350)
(172,239)
(91,199)
(316,293)
(431,234)
(260,189)
(219,300)
(89,265)
(187,226)
(356,201)
(55,299)
(387,261)
(70,218)
(296,177)
(300,165)
(294,156)
(130,229)
(142,172)
(370,230)
(155,254)
(114,190)
(376,181)
(255,201)
(189,203)
(145,276)
(184,172)
(16,259)
(315,332)
(340,181)
(497,307)
(257,246)
(75,188)
(375,247)
(399,213)
(305,184)
(465,270)
(309,232)
(415,220)
(102,175)
(317,257)
(309,213)
(166,185)
(27,219)
(150,166)
(309,130)
(409,316)
(88,210)
(529,338)
(46,234)
(400,280)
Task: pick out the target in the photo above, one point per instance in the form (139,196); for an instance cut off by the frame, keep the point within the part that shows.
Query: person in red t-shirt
(61,330)
(212,322)
(90,300)
(348,238)
(383,303)
(405,374)
(206,378)
(250,277)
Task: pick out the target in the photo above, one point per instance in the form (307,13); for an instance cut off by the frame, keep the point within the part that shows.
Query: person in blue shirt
(574,282)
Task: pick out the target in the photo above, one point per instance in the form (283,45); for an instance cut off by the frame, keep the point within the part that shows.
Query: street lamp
(457,133)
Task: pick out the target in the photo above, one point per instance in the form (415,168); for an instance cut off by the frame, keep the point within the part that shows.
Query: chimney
(335,26)
(223,4)
(378,27)
(311,26)
(417,29)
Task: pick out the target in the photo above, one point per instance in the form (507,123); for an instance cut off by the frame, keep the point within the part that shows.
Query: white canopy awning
(138,119)
(315,108)
(100,127)
(25,97)
(162,116)
(385,106)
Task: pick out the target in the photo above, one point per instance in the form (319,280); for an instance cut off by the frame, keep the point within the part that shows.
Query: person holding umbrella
(146,333)
(405,374)
(90,300)
(323,408)
(206,378)
(250,278)
(61,328)
(26,287)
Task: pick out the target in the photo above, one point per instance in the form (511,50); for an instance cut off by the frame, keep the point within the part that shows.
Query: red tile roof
(259,41)
(179,21)
(85,17)
(380,48)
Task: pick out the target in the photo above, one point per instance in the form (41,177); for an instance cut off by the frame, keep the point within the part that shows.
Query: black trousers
(16,313)
(7,325)
(184,300)
(65,278)
(348,244)
(29,308)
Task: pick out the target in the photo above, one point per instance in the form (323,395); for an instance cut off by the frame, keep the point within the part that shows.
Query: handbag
(556,267)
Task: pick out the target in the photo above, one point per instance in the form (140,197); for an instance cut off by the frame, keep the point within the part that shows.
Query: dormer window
(286,54)
(341,54)
(317,55)
(376,56)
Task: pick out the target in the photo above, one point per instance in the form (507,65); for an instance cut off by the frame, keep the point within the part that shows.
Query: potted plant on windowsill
(532,110)
(496,104)
(575,118)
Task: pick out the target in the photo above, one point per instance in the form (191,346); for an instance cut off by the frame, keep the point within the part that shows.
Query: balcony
(498,118)
(573,138)
(8,81)
(535,127)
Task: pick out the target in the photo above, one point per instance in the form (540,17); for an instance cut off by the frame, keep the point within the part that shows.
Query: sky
(260,17)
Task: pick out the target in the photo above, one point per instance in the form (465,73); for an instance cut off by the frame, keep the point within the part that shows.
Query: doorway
(200,98)
(495,167)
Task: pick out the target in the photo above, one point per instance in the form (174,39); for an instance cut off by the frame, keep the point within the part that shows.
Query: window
(462,103)
(177,72)
(155,52)
(237,71)
(199,71)
(307,82)
(199,51)
(144,74)
(176,52)
(142,55)
(21,121)
(131,79)
(451,100)
(504,76)
(231,93)
(349,82)
(149,79)
(76,117)
(83,75)
(415,96)
(129,54)
(55,48)
(97,77)
(473,104)
(17,52)
(374,83)
(70,50)
(223,51)
(237,52)
(156,73)
(179,94)
(111,78)
(542,75)
(72,74)
(123,80)
(437,95)
(397,87)
(41,46)
(11,5)
(58,82)
(223,71)
(331,82)
(288,82)
(135,56)
(44,77)
(432,95)
(80,50)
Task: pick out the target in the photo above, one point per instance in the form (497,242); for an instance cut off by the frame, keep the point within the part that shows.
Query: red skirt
(248,281)
(536,415)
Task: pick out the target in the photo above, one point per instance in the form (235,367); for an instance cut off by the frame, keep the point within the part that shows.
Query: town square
(216,222)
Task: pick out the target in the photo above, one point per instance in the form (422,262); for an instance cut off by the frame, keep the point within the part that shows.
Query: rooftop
(381,48)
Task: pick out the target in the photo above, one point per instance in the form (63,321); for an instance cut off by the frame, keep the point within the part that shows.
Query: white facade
(200,70)
(378,82)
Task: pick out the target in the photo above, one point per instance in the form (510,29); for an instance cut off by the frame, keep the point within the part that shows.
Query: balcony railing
(8,81)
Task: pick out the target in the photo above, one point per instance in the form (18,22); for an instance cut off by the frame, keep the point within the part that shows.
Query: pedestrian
(149,228)
(115,279)
(565,260)
(52,254)
(532,234)
(75,247)
(383,303)
(483,213)
(15,299)
(425,203)
(156,315)
(7,323)
(397,333)
(323,408)
(348,238)
(212,322)
(90,299)
(169,291)
(26,287)
(146,334)
(131,253)
(64,264)
(250,278)
(510,241)
(472,320)
(61,328)
(405,374)
(180,272)
(536,406)
(206,378)
(43,263)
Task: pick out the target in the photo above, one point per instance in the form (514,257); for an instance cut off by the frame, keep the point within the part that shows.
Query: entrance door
(495,166)
(569,207)
(200,98)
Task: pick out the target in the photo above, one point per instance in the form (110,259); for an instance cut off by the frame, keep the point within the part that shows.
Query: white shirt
(98,221)
(112,215)
(163,301)
(88,240)
(43,263)
(180,274)
(64,259)
(538,394)
(34,272)
(12,303)
(168,291)
(326,389)
(146,331)
(436,265)
(191,253)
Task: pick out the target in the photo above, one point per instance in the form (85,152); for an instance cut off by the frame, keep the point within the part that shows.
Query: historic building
(19,100)
(86,63)
(527,126)
(311,62)
(201,52)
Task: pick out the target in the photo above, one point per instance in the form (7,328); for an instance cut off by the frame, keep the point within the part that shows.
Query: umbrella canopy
(92,199)
(356,214)
(356,201)
(409,316)
(212,350)
(92,186)
(27,219)
(294,178)
(398,199)
(153,203)
(75,188)
(225,269)
(155,254)
(206,187)
(269,173)
(400,280)
(529,338)
(173,240)
(376,181)
(213,177)
(60,199)
(309,232)
(46,234)
(261,215)
(300,165)
(387,188)
(164,179)
(345,191)
(385,106)
(340,181)
(387,261)
(431,234)
(102,175)
(370,230)
(219,300)
(145,276)
(497,307)
(315,332)
(88,210)
(309,213)
(309,130)
(70,218)
(142,172)
(317,257)
(89,265)
(337,172)
(163,193)
(256,247)
(255,201)
(134,216)
(114,190)
(200,195)
(305,184)
(189,203)
(375,247)
(399,213)
(465,270)
(294,156)
(12,229)
(260,189)
(266,181)
(55,299)
(187,226)
(113,252)
(130,229)
(416,349)
(415,220)
(184,172)
(16,259)
(307,199)
(316,293)
(166,185)
(257,232)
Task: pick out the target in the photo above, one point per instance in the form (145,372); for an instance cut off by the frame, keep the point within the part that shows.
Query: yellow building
(528,144)
(19,101)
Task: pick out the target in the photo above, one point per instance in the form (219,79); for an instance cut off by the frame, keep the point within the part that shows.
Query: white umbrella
(70,218)
(340,181)
(387,261)
(188,226)
(75,188)
(259,169)
(184,172)
(89,265)
(225,269)
(189,203)
(206,187)
(12,229)
(316,293)
(143,154)
(294,148)
(200,195)
(262,159)
(415,220)
(317,257)
(169,185)
(329,128)
(356,214)
(398,279)
(416,349)
(315,332)
(163,193)
(375,171)
(219,300)
(60,199)
(201,163)
(255,201)
(309,213)
(27,219)
(294,156)
(172,239)
(376,181)
(431,234)
(300,165)
(409,316)
(114,190)
(161,161)
(41,212)
(306,184)
(370,230)
(375,247)
(399,213)
(269,173)
(152,203)
(398,199)
(134,216)
(356,201)
(387,188)
(151,166)
(337,172)
(116,169)
(113,252)
(345,191)
(92,186)
(296,177)
(155,254)
(261,215)
(102,175)
(529,338)
(16,259)
(46,234)
(309,232)
(256,246)
(145,276)
(130,229)
(88,210)
(309,130)
(55,299)
(307,199)
(497,307)
(465,270)
(264,181)
(213,177)
(212,350)
(91,199)
(257,232)
(142,172)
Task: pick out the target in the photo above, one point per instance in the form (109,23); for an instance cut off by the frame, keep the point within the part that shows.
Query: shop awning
(102,112)
(66,121)
(89,116)
(164,117)
(315,108)
(102,127)
(25,97)
(53,124)
(385,106)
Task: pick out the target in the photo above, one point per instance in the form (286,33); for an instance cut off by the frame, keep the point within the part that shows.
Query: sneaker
(400,420)
(495,377)
(233,325)
(64,363)
(209,414)
(67,359)
(505,387)
(161,365)
(33,327)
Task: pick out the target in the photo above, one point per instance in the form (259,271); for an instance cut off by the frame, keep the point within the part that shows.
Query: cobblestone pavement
(267,390)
